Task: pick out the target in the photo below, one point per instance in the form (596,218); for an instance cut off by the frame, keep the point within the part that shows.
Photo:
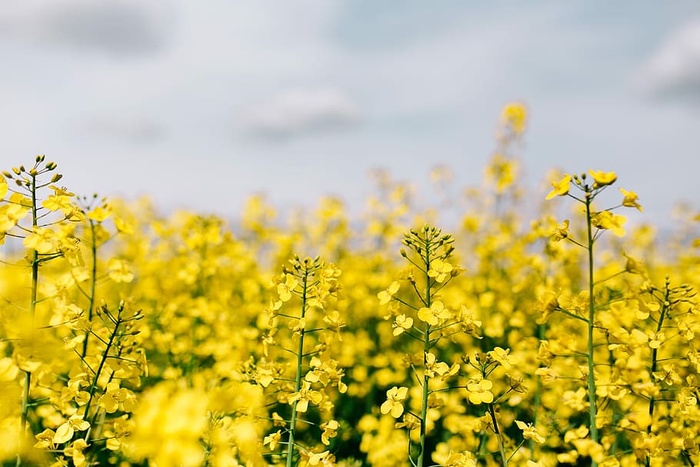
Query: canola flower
(175,340)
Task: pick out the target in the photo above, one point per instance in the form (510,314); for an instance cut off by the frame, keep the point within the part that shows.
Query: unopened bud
(56,178)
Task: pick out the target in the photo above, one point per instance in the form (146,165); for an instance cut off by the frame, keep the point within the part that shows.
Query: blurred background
(200,104)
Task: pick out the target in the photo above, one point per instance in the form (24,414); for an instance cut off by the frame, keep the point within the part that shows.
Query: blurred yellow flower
(606,220)
(385,296)
(514,116)
(560,232)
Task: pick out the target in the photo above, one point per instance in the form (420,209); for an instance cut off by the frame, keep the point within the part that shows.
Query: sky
(201,104)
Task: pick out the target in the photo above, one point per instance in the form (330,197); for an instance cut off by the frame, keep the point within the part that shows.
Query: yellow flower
(501,356)
(59,202)
(633,266)
(297,325)
(330,430)
(440,270)
(66,431)
(45,439)
(304,396)
(385,296)
(285,289)
(547,305)
(502,171)
(630,199)
(433,367)
(75,451)
(561,232)
(324,458)
(119,271)
(42,240)
(99,213)
(514,115)
(602,179)
(606,220)
(480,391)
(434,314)
(560,188)
(393,404)
(8,369)
(529,432)
(273,439)
(458,459)
(402,323)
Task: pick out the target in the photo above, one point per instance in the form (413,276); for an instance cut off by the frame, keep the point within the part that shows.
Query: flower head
(630,199)
(606,220)
(529,432)
(403,323)
(514,116)
(560,188)
(434,314)
(394,398)
(480,391)
(602,179)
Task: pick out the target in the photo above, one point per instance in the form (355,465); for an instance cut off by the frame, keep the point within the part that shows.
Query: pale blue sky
(200,104)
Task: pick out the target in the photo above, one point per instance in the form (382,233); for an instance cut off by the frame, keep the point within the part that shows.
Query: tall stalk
(297,379)
(600,221)
(592,403)
(426,348)
(93,283)
(29,182)
(34,263)
(665,304)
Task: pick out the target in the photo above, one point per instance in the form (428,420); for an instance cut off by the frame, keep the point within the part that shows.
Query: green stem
(93,283)
(654,361)
(426,348)
(541,330)
(98,372)
(297,381)
(592,407)
(499,436)
(34,255)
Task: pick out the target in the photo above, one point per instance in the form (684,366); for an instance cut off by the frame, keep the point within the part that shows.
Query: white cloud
(674,69)
(129,128)
(121,27)
(301,111)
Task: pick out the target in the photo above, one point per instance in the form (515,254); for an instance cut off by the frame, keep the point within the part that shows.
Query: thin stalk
(541,330)
(93,283)
(499,436)
(98,372)
(426,348)
(34,255)
(297,381)
(592,407)
(654,361)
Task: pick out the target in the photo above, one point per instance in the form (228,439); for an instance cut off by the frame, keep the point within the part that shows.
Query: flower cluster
(129,337)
